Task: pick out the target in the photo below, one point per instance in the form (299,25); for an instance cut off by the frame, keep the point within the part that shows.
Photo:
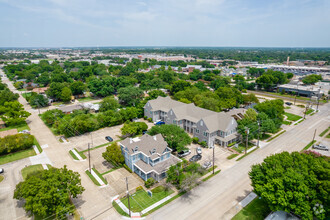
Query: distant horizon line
(155,47)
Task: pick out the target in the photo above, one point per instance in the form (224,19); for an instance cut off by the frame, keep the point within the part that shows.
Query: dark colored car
(195,158)
(108,138)
(288,103)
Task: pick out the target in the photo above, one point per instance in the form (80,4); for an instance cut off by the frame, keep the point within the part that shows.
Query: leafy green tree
(66,94)
(109,103)
(250,98)
(179,86)
(38,101)
(13,113)
(289,75)
(77,87)
(17,142)
(295,182)
(155,93)
(274,109)
(133,128)
(251,114)
(175,136)
(52,116)
(311,79)
(7,96)
(18,85)
(114,155)
(48,192)
(130,96)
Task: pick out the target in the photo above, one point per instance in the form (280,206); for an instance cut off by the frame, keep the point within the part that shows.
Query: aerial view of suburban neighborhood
(165,110)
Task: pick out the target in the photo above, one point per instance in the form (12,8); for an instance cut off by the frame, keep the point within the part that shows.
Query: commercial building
(308,91)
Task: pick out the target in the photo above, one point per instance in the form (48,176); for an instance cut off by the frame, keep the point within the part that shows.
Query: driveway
(10,208)
(220,156)
(117,178)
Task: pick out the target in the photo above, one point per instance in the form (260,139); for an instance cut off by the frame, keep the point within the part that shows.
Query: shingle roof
(146,144)
(8,132)
(158,168)
(213,120)
(164,103)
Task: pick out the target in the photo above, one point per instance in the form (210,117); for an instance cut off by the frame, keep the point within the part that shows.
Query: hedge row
(17,142)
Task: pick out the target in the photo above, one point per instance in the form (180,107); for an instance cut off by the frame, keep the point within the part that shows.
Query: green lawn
(324,132)
(256,210)
(17,156)
(141,200)
(276,136)
(241,147)
(309,111)
(85,99)
(37,145)
(1,178)
(26,94)
(292,117)
(20,127)
(232,156)
(287,122)
(31,169)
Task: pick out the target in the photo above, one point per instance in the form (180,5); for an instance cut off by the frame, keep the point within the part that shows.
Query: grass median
(256,210)
(17,156)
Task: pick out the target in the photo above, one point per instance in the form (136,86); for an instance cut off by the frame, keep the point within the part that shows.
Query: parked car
(24,132)
(155,122)
(199,150)
(160,123)
(184,153)
(2,170)
(320,147)
(108,138)
(288,103)
(195,158)
(144,132)
(207,165)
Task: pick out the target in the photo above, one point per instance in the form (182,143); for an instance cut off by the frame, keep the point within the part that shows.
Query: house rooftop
(149,145)
(8,132)
(158,168)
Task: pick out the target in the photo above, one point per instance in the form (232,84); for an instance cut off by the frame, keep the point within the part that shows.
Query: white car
(199,150)
(2,170)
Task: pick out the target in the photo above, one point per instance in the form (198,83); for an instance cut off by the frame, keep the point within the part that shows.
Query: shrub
(127,168)
(244,90)
(203,144)
(231,144)
(139,188)
(149,119)
(195,140)
(17,142)
(145,117)
(149,182)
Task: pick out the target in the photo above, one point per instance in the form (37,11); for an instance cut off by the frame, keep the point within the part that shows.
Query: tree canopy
(113,155)
(295,182)
(48,192)
(175,136)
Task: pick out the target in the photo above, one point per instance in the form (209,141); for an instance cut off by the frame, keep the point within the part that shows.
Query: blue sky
(246,23)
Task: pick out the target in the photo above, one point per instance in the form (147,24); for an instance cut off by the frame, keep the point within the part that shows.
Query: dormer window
(136,149)
(153,151)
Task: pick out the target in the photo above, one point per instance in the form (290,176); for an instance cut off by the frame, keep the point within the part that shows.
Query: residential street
(218,197)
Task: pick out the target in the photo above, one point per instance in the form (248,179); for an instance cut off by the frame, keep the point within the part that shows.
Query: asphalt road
(218,197)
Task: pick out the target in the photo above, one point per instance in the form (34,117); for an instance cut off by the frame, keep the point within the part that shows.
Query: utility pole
(295,97)
(129,206)
(258,132)
(314,135)
(247,131)
(213,158)
(89,159)
(305,111)
(318,100)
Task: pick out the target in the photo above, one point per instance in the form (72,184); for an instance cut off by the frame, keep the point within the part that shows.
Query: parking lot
(323,152)
(220,156)
(98,137)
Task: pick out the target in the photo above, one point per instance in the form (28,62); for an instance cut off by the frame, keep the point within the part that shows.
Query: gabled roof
(149,145)
(219,121)
(164,103)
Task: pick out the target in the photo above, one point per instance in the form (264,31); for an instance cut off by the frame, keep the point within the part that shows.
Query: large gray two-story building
(209,126)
